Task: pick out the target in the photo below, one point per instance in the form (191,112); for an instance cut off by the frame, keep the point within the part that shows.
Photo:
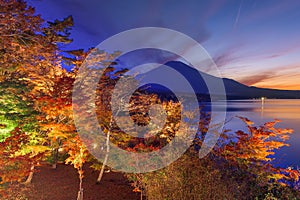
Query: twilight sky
(256,42)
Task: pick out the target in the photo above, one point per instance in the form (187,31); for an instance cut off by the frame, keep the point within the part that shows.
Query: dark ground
(62,184)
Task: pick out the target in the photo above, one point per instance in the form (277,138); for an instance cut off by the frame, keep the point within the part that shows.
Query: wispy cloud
(252,80)
(283,77)
(242,36)
(238,15)
(96,20)
(225,58)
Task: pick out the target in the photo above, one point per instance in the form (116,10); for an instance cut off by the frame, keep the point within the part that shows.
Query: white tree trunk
(30,176)
(105,159)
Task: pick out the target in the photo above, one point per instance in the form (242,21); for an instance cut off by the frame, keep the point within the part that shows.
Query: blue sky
(256,42)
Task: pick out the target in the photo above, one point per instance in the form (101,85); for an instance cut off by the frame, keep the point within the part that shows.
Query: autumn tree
(78,155)
(95,64)
(14,163)
(30,62)
(238,167)
(28,44)
(16,109)
(55,109)
(252,150)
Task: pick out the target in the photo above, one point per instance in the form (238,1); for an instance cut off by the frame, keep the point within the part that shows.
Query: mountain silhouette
(176,72)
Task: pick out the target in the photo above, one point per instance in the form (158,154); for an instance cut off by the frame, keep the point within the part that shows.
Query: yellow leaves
(262,140)
(77,152)
(58,131)
(254,148)
(275,144)
(76,160)
(54,135)
(277,176)
(36,149)
(271,124)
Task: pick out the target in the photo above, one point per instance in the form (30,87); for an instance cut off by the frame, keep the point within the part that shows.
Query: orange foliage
(253,149)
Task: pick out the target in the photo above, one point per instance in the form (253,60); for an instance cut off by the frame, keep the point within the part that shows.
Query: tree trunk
(80,195)
(80,172)
(55,157)
(80,192)
(30,176)
(105,159)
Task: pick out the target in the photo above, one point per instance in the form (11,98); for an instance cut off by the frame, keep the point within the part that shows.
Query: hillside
(234,89)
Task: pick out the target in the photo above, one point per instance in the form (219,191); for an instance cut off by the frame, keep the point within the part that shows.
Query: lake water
(258,111)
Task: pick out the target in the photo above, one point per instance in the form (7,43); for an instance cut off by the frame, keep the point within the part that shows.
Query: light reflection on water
(258,111)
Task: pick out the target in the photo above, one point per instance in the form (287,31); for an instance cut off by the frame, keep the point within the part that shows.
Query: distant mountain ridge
(234,89)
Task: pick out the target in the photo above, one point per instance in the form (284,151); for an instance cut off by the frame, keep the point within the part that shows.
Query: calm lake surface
(258,111)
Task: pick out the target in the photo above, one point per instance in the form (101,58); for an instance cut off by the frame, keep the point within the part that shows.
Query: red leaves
(141,147)
(15,166)
(294,174)
(254,148)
